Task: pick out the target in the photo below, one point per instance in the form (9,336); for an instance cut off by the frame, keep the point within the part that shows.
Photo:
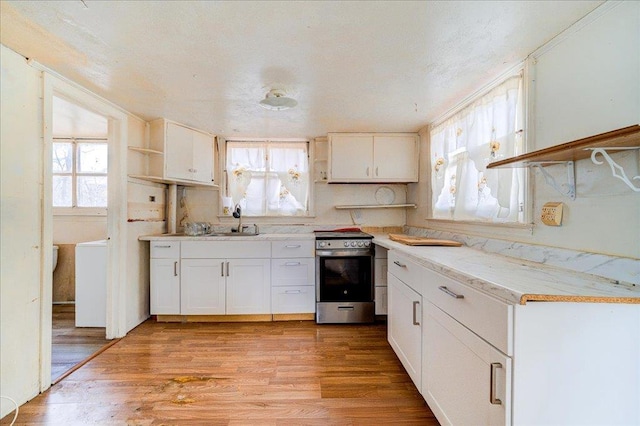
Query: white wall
(20,233)
(573,99)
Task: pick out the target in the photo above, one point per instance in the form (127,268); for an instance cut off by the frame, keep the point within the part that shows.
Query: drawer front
(489,318)
(293,272)
(165,249)
(226,249)
(406,270)
(298,248)
(293,300)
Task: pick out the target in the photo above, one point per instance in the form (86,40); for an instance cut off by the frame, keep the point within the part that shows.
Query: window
(80,173)
(485,130)
(268,178)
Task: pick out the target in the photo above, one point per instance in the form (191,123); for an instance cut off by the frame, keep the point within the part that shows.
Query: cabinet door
(466,380)
(203,286)
(178,152)
(165,287)
(395,158)
(249,286)
(351,157)
(404,326)
(202,160)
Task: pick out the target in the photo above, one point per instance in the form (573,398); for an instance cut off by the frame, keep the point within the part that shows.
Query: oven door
(344,278)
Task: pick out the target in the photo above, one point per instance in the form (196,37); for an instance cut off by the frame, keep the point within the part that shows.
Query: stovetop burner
(339,235)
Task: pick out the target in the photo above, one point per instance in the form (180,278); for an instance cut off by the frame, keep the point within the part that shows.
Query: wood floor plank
(273,373)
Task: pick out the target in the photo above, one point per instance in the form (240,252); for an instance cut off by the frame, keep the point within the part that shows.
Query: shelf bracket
(567,189)
(616,170)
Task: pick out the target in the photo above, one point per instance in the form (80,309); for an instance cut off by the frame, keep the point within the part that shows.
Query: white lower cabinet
(380,280)
(248,286)
(165,287)
(202,290)
(466,381)
(404,319)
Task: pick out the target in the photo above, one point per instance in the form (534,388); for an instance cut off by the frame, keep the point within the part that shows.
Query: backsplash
(615,268)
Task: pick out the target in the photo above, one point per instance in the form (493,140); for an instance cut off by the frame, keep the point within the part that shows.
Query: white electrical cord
(15,416)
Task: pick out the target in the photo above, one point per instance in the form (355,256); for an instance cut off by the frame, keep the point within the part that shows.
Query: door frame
(54,84)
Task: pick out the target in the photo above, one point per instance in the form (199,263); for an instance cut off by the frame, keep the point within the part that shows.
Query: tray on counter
(422,241)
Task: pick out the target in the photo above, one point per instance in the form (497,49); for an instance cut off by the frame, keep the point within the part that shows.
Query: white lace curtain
(268,178)
(486,130)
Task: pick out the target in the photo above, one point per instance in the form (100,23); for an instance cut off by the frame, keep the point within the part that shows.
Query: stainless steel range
(344,277)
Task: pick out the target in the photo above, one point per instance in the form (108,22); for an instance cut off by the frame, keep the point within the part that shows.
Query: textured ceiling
(352,66)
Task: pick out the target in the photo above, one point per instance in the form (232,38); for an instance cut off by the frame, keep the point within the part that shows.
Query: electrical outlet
(552,213)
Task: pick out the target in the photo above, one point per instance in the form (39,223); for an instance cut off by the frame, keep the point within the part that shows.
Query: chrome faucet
(237,213)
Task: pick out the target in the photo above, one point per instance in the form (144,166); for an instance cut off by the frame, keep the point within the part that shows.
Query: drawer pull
(346,308)
(292,264)
(175,269)
(492,392)
(292,292)
(450,293)
(161,246)
(402,265)
(222,269)
(227,268)
(415,315)
(293,246)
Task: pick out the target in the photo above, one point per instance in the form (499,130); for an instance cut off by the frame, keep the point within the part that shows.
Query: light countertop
(514,280)
(259,237)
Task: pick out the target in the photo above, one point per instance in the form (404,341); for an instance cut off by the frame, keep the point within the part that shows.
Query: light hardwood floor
(71,345)
(278,373)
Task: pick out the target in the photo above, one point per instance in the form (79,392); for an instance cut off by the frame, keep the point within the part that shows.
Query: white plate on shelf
(385,195)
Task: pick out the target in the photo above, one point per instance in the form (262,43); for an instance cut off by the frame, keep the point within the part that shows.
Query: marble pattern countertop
(512,280)
(259,237)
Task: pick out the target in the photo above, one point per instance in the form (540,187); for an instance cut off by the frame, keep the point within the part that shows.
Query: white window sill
(494,229)
(85,211)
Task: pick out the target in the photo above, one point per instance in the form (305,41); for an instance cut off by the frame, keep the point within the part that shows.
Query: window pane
(62,157)
(92,157)
(92,191)
(62,191)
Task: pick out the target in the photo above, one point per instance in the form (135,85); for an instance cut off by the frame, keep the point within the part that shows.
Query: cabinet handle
(415,315)
(492,392)
(227,268)
(293,246)
(161,246)
(376,171)
(402,265)
(292,264)
(367,171)
(222,269)
(292,292)
(450,293)
(175,269)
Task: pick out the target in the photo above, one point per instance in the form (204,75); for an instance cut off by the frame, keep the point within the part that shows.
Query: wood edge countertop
(577,299)
(515,280)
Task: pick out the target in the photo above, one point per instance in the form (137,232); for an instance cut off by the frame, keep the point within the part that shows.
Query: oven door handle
(343,253)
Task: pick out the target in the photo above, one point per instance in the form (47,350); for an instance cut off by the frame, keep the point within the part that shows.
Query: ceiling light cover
(276,100)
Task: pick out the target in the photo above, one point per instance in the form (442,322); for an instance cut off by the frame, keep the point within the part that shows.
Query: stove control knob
(360,244)
(346,243)
(353,243)
(367,243)
(322,244)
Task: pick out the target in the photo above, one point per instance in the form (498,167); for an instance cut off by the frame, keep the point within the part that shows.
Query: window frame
(74,209)
(224,187)
(495,227)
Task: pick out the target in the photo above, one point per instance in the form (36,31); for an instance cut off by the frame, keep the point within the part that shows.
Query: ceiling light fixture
(276,100)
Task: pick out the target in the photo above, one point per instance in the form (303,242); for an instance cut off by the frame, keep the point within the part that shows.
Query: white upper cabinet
(187,154)
(373,157)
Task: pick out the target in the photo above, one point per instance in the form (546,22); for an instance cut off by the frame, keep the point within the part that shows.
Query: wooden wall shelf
(576,150)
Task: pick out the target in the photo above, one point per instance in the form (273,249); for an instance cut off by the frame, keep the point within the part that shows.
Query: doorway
(110,222)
